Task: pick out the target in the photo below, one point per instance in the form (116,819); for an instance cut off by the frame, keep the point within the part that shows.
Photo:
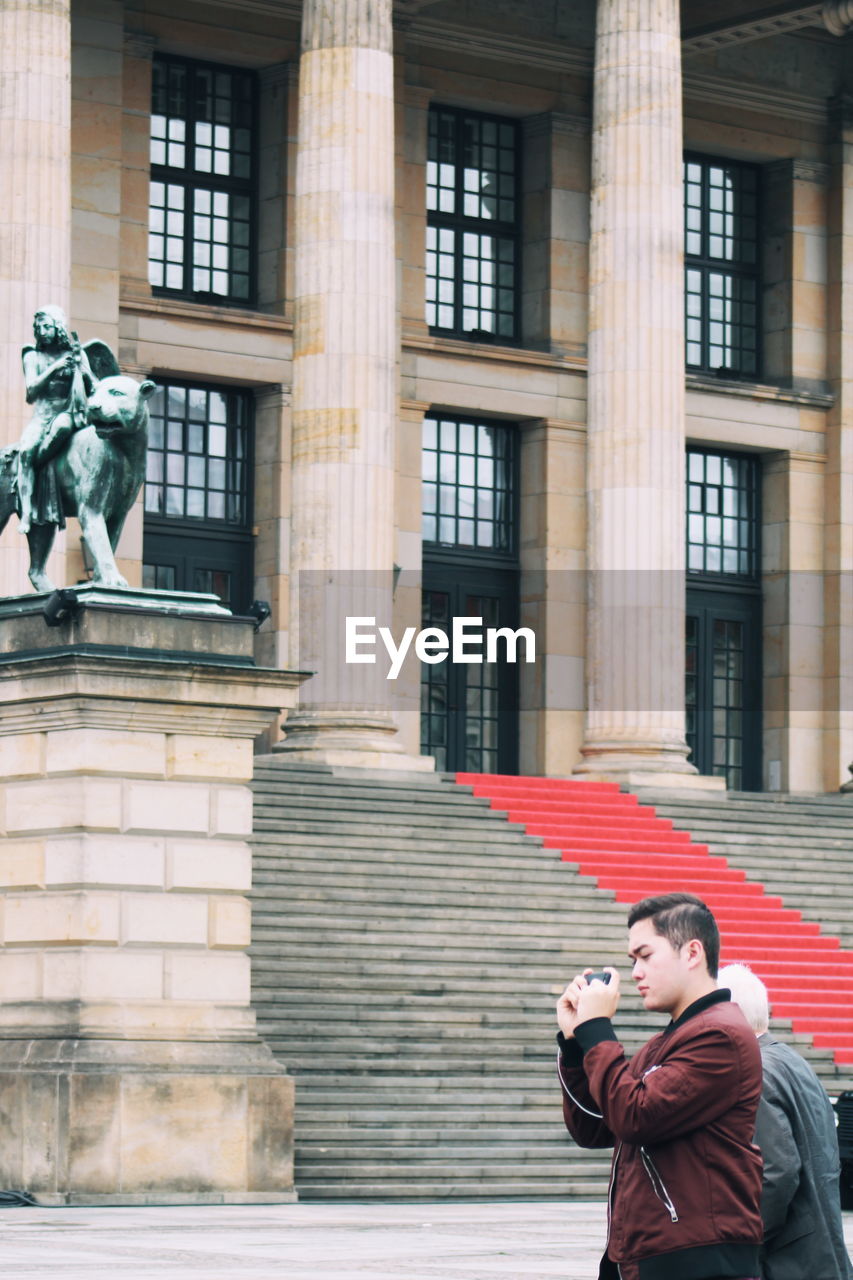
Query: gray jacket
(795,1129)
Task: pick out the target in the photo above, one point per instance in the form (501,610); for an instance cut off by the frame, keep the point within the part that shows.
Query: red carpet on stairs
(609,835)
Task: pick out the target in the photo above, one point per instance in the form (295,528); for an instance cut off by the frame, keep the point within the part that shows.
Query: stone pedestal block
(130,1067)
(111,1122)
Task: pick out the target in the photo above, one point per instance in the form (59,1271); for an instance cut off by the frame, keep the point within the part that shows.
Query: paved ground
(335,1242)
(309,1242)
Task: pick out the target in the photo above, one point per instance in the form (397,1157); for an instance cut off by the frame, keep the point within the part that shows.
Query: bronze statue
(82,452)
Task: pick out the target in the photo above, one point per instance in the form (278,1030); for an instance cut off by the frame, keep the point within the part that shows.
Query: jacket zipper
(610,1196)
(657,1183)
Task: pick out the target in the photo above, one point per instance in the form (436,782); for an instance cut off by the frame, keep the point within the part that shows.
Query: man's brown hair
(680,917)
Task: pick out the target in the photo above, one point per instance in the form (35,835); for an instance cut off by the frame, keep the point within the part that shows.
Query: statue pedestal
(130,1068)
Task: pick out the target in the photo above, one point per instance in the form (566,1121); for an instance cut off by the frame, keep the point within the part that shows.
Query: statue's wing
(102,362)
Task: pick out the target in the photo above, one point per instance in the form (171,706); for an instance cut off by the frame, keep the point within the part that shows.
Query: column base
(646,764)
(103,1122)
(348,740)
(636,779)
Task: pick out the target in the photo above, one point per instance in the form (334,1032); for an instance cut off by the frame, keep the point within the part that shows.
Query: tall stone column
(35,230)
(635,467)
(838,491)
(344,380)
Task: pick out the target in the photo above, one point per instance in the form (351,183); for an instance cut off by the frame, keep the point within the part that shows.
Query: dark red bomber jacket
(685,1184)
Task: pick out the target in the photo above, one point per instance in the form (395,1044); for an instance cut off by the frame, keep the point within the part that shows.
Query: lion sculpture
(99,472)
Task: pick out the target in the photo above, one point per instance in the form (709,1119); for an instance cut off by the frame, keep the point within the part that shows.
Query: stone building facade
(534,312)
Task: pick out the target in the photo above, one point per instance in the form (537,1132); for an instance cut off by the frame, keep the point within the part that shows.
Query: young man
(686,1178)
(795,1129)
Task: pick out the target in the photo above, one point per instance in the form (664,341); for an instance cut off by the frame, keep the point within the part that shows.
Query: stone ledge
(203,313)
(759,391)
(495,352)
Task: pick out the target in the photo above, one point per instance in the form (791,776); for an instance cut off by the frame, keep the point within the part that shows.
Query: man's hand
(567,1006)
(597,999)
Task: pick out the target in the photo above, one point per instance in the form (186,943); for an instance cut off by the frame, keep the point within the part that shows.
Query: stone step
(503,941)
(440,1061)
(481,821)
(752,813)
(545,870)
(472,970)
(827,847)
(456,1189)
(433,1034)
(377,976)
(459,832)
(421,808)
(386,1002)
(513,843)
(437,1165)
(352,879)
(489,912)
(412,1137)
(282,963)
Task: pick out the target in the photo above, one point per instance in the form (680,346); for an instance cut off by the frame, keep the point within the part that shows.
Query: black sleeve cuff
(594,1031)
(570,1052)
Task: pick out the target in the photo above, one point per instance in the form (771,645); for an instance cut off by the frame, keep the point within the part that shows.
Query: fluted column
(35,228)
(838,489)
(635,466)
(344,377)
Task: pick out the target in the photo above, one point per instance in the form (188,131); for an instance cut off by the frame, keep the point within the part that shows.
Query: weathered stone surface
(123,917)
(95,1135)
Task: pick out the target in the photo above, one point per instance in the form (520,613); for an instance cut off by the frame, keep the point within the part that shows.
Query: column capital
(359,24)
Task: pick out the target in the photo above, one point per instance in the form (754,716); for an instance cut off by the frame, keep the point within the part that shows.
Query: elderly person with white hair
(795,1129)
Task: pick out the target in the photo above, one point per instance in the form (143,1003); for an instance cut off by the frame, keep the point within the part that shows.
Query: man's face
(45,330)
(660,971)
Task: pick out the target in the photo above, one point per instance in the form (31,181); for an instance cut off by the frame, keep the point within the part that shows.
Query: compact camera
(601,977)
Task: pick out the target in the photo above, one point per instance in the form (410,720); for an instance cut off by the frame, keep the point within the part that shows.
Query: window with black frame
(201,204)
(197,524)
(723,616)
(721,208)
(472,248)
(468,485)
(469,713)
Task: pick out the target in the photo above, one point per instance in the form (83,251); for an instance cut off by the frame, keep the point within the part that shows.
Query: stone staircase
(634,850)
(409,944)
(800,848)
